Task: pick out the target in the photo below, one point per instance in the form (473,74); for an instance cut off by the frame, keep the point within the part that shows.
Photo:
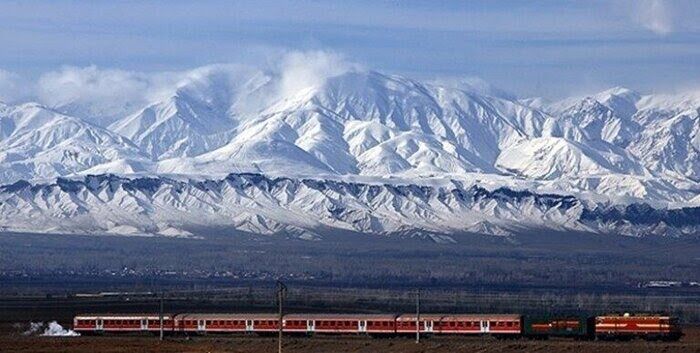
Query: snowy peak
(611,149)
(193,120)
(622,101)
(40,143)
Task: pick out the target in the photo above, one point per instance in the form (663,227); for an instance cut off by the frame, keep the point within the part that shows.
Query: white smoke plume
(53,329)
(56,330)
(34,328)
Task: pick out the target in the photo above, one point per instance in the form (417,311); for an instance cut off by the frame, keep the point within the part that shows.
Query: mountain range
(361,151)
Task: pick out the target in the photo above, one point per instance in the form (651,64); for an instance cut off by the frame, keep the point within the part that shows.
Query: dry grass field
(330,344)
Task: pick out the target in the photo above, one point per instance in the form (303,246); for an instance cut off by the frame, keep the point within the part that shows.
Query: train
(605,327)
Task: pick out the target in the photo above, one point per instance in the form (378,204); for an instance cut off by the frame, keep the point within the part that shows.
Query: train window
(509,324)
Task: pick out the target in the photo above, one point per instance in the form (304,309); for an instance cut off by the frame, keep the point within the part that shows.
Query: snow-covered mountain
(36,142)
(361,151)
(309,208)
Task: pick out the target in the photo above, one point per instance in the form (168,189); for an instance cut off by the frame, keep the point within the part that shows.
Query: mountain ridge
(617,148)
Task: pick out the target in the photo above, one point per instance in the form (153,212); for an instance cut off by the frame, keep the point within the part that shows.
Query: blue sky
(545,48)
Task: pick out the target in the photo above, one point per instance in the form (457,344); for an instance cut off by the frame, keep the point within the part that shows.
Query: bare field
(328,344)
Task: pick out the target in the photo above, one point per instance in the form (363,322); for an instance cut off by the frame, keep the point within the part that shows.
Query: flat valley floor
(40,277)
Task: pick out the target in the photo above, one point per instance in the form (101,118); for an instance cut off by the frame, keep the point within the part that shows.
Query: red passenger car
(479,324)
(340,323)
(230,323)
(406,323)
(99,323)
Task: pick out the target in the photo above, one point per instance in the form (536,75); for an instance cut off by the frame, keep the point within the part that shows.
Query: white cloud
(299,70)
(655,15)
(12,88)
(475,85)
(106,94)
(99,93)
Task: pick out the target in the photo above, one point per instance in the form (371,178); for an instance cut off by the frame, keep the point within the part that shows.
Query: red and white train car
(631,326)
(495,324)
(340,323)
(406,323)
(98,323)
(226,323)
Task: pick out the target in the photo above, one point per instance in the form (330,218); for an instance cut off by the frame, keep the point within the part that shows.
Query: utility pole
(161,315)
(281,292)
(417,315)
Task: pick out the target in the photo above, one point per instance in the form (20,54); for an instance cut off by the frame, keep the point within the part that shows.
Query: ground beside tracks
(13,342)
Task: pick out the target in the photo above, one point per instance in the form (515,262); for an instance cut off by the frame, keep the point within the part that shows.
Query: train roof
(477,317)
(226,316)
(340,316)
(412,317)
(130,316)
(634,317)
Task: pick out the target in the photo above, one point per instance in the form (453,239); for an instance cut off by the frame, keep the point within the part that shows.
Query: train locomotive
(606,327)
